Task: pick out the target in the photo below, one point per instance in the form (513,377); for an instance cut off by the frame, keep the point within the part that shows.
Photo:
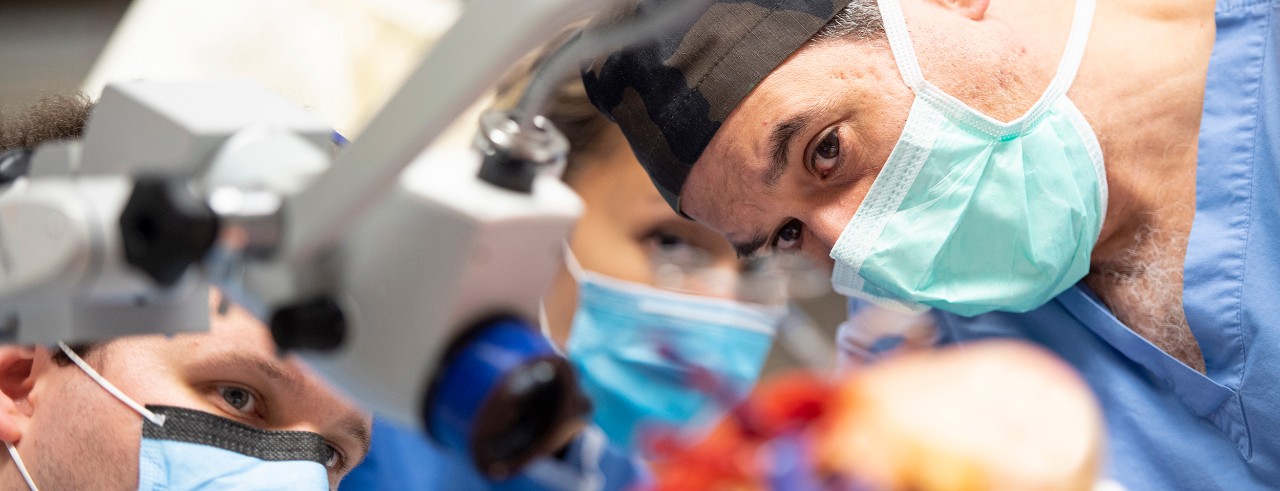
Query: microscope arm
(487,40)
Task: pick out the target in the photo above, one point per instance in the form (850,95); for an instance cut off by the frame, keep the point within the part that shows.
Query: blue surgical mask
(969,214)
(186,449)
(641,353)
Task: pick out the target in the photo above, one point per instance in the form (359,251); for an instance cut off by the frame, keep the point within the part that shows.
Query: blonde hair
(569,109)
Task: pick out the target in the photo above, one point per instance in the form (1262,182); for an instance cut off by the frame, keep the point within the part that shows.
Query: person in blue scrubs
(1100,178)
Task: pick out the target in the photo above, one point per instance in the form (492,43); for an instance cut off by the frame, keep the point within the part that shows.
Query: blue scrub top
(1169,427)
(403,459)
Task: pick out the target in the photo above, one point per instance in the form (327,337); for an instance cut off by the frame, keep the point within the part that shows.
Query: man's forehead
(718,193)
(789,94)
(727,184)
(668,94)
(713,186)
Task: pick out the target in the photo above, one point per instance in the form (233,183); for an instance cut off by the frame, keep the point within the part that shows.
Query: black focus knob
(317,324)
(14,163)
(166,228)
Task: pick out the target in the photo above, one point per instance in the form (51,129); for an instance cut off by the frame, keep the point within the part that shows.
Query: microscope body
(66,273)
(445,252)
(179,186)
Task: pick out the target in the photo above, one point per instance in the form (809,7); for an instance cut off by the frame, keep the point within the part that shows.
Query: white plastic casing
(444,251)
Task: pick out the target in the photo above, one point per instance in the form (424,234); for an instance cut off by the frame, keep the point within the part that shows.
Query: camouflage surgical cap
(671,93)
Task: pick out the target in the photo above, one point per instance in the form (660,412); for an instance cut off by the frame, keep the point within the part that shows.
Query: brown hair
(55,117)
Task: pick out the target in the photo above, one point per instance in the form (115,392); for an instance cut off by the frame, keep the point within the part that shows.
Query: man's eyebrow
(276,371)
(779,146)
(746,249)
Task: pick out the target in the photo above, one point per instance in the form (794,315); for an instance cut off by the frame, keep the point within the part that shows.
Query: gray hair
(857,21)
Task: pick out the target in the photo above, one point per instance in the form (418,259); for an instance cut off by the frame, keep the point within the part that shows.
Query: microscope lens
(504,397)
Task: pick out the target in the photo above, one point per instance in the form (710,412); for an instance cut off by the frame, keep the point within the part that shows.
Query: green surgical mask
(969,214)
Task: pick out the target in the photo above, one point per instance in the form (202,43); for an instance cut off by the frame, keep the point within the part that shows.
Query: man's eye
(826,155)
(239,398)
(335,460)
(788,237)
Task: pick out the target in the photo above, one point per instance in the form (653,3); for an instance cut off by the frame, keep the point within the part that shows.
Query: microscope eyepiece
(515,154)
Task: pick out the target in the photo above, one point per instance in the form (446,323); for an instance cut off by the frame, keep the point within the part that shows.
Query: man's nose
(825,226)
(821,259)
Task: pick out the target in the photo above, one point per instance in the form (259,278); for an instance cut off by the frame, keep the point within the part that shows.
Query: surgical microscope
(409,280)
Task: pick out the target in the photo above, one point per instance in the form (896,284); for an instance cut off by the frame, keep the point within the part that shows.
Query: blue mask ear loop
(575,271)
(571,263)
(545,326)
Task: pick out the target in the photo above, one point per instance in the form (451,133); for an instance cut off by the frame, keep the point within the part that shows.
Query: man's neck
(1145,108)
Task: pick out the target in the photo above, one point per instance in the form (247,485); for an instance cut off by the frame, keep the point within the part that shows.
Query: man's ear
(17,378)
(973,9)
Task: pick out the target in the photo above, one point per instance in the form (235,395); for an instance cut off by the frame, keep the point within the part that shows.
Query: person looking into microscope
(216,410)
(196,411)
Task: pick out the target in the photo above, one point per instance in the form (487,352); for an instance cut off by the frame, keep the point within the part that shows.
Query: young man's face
(72,434)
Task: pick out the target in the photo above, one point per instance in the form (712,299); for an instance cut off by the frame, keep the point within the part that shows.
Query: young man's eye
(239,398)
(826,154)
(335,460)
(788,236)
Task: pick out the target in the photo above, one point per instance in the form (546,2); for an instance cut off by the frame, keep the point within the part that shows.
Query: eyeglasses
(771,280)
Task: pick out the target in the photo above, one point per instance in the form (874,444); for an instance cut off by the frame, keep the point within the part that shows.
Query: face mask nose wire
(158,419)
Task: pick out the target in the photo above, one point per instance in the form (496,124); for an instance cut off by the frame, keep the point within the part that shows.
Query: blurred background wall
(339,58)
(49,46)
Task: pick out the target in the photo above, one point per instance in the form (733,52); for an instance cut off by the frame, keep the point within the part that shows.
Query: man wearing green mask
(1062,172)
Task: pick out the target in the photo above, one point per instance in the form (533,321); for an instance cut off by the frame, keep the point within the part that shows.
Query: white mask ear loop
(571,263)
(575,271)
(545,327)
(22,468)
(158,419)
